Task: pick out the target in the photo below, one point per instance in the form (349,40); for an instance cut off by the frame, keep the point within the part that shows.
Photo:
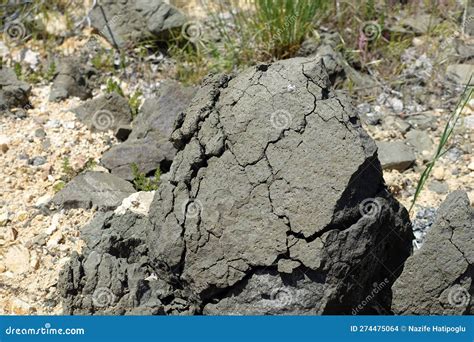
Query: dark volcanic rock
(438,279)
(107,112)
(149,144)
(94,189)
(130,21)
(71,79)
(13,93)
(274,204)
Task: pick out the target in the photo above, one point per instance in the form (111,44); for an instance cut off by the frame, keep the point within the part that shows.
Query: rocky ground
(45,144)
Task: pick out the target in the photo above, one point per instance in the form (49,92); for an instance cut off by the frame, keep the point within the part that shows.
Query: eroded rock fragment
(438,279)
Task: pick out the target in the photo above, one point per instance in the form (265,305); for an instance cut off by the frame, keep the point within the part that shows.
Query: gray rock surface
(93,190)
(149,144)
(106,112)
(460,73)
(72,79)
(395,155)
(129,21)
(13,92)
(274,204)
(338,68)
(438,279)
(420,140)
(422,121)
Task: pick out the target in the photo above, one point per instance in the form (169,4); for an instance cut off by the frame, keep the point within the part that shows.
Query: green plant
(447,132)
(279,26)
(67,169)
(103,61)
(51,72)
(18,70)
(142,182)
(58,186)
(89,165)
(113,86)
(134,102)
(260,31)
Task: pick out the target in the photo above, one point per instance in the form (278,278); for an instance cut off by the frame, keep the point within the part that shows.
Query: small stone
(43,201)
(31,58)
(39,240)
(471,166)
(53,124)
(438,187)
(8,234)
(37,161)
(454,154)
(34,260)
(396,104)
(438,173)
(40,133)
(69,124)
(138,203)
(460,73)
(287,266)
(422,121)
(4,217)
(55,239)
(395,155)
(94,189)
(20,307)
(54,224)
(4,148)
(17,259)
(469,121)
(420,140)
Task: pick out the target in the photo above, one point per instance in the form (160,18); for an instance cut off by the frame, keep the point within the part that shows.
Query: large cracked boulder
(130,21)
(274,204)
(13,92)
(149,146)
(438,279)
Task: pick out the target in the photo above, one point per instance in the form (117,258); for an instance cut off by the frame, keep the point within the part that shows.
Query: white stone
(469,121)
(32,58)
(396,104)
(42,200)
(4,218)
(17,259)
(54,224)
(138,202)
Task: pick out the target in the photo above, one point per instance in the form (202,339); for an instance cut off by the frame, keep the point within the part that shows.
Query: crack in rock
(260,212)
